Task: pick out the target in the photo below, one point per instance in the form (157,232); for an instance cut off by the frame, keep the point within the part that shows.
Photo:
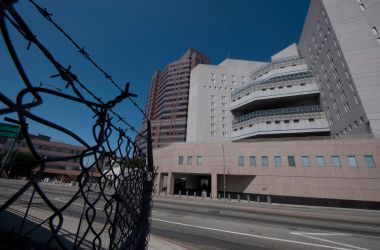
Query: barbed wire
(65,73)
(49,16)
(124,173)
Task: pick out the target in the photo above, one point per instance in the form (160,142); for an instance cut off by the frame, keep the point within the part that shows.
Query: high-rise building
(168,97)
(303,128)
(341,46)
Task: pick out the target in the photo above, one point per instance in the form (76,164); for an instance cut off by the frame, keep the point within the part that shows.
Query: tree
(20,164)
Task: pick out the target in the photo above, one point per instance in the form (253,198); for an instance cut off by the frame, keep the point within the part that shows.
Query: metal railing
(109,204)
(276,79)
(273,64)
(277,112)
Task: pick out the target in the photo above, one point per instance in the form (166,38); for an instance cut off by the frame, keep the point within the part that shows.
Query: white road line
(308,235)
(348,225)
(325,233)
(254,235)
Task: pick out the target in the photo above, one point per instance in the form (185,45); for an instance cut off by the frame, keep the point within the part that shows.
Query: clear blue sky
(131,39)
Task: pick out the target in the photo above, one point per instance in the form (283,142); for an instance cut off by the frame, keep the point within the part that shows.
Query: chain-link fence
(108,206)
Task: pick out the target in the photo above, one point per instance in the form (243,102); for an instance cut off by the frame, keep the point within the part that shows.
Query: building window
(335,161)
(369,161)
(199,160)
(240,161)
(212,111)
(342,95)
(252,161)
(212,133)
(180,160)
(277,161)
(213,126)
(320,161)
(356,99)
(352,161)
(337,115)
(346,107)
(189,160)
(305,161)
(291,161)
(264,161)
(339,84)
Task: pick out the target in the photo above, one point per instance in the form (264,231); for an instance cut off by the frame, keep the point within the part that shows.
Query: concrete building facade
(303,128)
(341,46)
(210,97)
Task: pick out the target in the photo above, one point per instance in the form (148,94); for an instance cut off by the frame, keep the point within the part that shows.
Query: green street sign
(8,130)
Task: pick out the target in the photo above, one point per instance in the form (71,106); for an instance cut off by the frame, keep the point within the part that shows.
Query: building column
(159,183)
(170,183)
(214,186)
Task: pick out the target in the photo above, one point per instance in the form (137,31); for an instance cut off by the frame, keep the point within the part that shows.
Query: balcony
(296,84)
(280,63)
(296,120)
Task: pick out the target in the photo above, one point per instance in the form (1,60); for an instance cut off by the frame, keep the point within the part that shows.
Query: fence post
(268,199)
(179,193)
(229,197)
(238,197)
(248,198)
(258,198)
(187,194)
(195,194)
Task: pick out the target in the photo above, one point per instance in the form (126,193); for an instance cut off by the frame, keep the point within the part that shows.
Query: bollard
(218,196)
(187,194)
(238,197)
(258,199)
(179,193)
(268,199)
(195,195)
(210,196)
(248,198)
(229,197)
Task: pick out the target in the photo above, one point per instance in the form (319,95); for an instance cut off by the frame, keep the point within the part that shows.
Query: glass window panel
(320,161)
(291,161)
(352,161)
(335,161)
(252,160)
(241,161)
(277,161)
(305,161)
(264,161)
(199,160)
(369,161)
(180,160)
(189,160)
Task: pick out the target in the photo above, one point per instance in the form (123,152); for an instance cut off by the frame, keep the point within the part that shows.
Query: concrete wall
(210,98)
(345,182)
(339,46)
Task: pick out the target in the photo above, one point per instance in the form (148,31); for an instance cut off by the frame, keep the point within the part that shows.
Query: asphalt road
(202,224)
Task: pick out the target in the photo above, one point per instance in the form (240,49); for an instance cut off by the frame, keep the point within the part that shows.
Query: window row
(189,160)
(305,160)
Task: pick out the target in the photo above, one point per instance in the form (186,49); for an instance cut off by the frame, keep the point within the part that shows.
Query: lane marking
(254,235)
(308,235)
(348,225)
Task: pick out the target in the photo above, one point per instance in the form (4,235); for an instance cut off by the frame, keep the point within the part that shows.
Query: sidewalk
(159,243)
(301,211)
